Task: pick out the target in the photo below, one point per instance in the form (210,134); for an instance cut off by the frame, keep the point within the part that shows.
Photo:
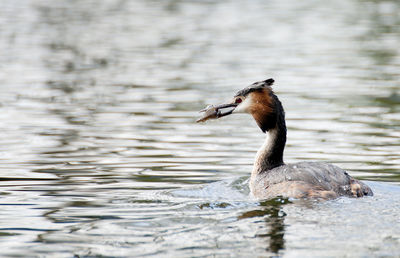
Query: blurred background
(100,154)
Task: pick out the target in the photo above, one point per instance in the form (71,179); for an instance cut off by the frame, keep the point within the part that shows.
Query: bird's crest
(255,87)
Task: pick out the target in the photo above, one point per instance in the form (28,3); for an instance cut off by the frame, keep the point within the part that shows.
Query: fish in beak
(215,112)
(256,99)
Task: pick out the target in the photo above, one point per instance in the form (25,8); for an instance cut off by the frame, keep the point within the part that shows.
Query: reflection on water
(272,210)
(100,155)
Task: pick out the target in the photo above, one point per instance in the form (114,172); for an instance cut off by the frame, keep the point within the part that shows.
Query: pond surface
(100,155)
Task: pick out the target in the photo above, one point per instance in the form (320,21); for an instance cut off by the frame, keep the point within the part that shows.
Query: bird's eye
(238,101)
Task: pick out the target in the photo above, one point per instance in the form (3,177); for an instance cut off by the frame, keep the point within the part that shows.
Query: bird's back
(307,179)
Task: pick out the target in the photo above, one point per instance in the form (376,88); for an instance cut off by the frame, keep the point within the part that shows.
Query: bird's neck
(270,155)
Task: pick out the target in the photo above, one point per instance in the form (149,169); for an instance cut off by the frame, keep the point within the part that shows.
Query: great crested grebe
(271,177)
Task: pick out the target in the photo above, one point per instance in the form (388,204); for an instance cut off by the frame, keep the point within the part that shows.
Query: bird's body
(306,179)
(271,177)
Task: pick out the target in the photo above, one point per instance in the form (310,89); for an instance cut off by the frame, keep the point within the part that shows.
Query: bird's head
(258,99)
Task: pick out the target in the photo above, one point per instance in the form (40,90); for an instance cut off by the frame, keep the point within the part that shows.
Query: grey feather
(307,179)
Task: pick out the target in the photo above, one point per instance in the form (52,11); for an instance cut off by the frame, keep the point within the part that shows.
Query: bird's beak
(215,112)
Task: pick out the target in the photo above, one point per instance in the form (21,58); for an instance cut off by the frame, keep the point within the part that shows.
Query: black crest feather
(255,87)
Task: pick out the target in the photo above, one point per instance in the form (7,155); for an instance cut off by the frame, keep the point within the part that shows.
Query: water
(100,155)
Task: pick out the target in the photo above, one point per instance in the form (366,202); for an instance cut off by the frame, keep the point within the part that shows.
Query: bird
(271,177)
